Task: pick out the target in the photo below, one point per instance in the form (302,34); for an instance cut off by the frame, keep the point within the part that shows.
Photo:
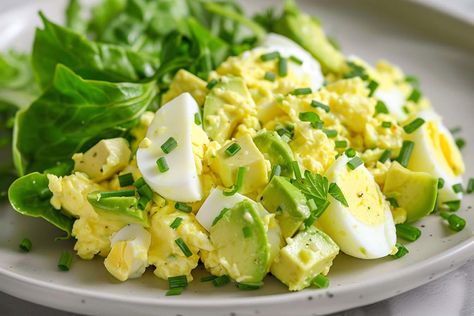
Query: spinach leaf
(74,20)
(88,59)
(72,115)
(30,195)
(103,14)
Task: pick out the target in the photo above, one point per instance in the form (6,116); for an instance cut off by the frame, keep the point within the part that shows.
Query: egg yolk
(445,151)
(364,198)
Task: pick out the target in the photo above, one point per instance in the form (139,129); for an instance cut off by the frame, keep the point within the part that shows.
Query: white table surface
(452,294)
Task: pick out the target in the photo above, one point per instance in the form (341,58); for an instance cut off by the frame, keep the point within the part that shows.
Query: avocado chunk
(287,202)
(415,192)
(184,81)
(307,32)
(308,254)
(225,107)
(239,237)
(256,175)
(104,159)
(121,208)
(275,150)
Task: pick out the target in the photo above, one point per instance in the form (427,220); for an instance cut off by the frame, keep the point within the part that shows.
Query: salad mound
(165,134)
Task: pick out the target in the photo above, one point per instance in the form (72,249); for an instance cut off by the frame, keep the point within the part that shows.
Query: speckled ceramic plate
(436,47)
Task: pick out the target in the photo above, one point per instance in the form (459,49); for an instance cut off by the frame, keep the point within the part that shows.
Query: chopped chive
(119,193)
(184,248)
(176,282)
(386,124)
(373,85)
(221,281)
(340,143)
(270,76)
(175,291)
(470,186)
(414,125)
(208,278)
(380,107)
(177,221)
(393,201)
(356,71)
(402,251)
(331,133)
(320,281)
(169,145)
(232,149)
(197,118)
(408,232)
(440,183)
(162,165)
(350,152)
(239,181)
(385,155)
(146,191)
(455,222)
(248,287)
(139,182)
(412,80)
(26,245)
(296,60)
(282,67)
(276,171)
(354,163)
(183,207)
(405,109)
(317,104)
(460,142)
(296,169)
(455,130)
(125,179)
(405,152)
(143,202)
(65,261)
(221,214)
(457,188)
(247,231)
(309,117)
(317,124)
(415,95)
(453,205)
(301,91)
(211,84)
(270,56)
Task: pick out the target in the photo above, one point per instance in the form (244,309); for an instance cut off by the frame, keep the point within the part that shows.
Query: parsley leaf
(313,186)
(336,193)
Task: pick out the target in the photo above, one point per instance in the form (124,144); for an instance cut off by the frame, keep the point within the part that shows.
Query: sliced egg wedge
(365,228)
(174,120)
(128,257)
(436,153)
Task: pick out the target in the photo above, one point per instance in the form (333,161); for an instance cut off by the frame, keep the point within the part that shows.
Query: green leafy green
(72,115)
(314,186)
(29,195)
(88,59)
(74,20)
(336,193)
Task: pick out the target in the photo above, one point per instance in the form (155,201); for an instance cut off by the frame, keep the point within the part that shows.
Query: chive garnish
(412,80)
(176,282)
(405,152)
(317,104)
(455,222)
(440,183)
(143,202)
(247,231)
(282,67)
(270,76)
(414,125)
(296,60)
(460,142)
(470,186)
(270,56)
(402,251)
(145,191)
(415,95)
(232,149)
(405,109)
(393,201)
(350,152)
(239,181)
(175,291)
(139,182)
(119,193)
(455,130)
(296,169)
(457,188)
(26,245)
(340,143)
(221,281)
(183,207)
(408,232)
(301,91)
(162,165)
(211,84)
(276,171)
(208,278)
(248,287)
(380,107)
(453,205)
(169,145)
(331,133)
(125,179)
(177,221)
(184,248)
(221,214)
(354,163)
(320,281)
(197,118)
(65,261)
(310,117)
(385,155)
(373,85)
(386,124)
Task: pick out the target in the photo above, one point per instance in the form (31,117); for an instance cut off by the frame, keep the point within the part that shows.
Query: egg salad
(283,156)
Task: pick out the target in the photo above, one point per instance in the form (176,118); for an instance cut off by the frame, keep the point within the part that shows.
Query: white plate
(437,48)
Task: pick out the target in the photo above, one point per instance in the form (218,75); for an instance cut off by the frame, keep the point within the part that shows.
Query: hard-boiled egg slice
(128,257)
(287,48)
(365,228)
(181,181)
(436,152)
(394,99)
